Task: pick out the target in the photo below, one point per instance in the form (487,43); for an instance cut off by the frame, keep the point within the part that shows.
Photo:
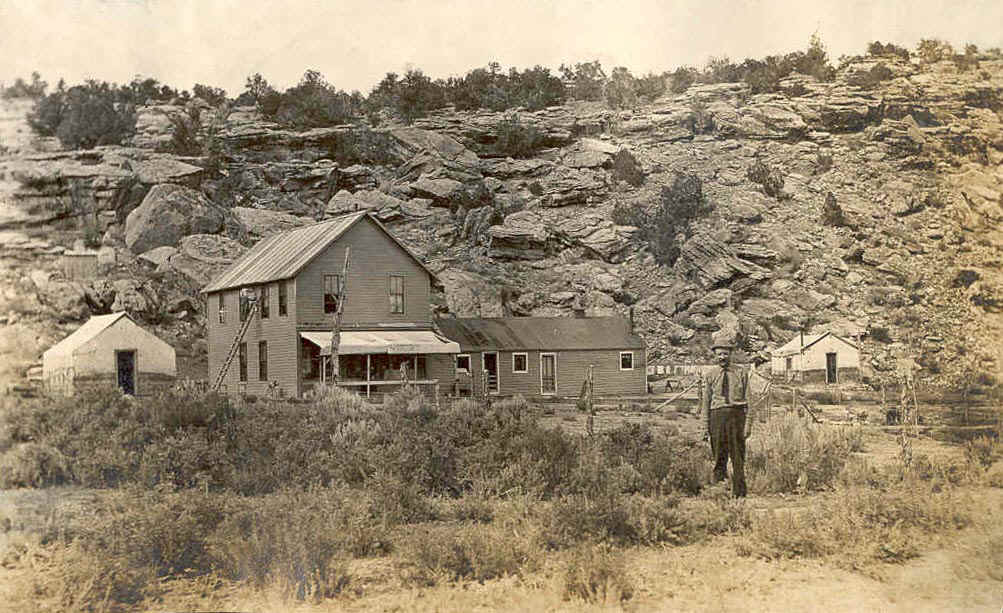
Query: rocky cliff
(868,207)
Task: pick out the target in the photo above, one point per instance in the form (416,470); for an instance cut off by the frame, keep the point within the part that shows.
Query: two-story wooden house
(295,277)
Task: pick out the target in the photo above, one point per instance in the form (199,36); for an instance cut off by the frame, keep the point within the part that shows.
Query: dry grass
(544,512)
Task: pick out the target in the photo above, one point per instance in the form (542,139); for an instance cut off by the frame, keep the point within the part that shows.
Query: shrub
(32,465)
(621,89)
(362,146)
(770,179)
(651,86)
(832,213)
(517,139)
(215,96)
(596,573)
(932,50)
(626,168)
(682,78)
(857,526)
(880,335)
(793,455)
(312,103)
(298,540)
(876,48)
(410,97)
(84,116)
(23,89)
(983,451)
(679,205)
(456,552)
(587,80)
(873,77)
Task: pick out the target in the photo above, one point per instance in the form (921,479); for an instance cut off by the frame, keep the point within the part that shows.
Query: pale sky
(221,42)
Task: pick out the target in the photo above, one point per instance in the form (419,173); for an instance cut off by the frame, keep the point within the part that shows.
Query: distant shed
(818,358)
(110,349)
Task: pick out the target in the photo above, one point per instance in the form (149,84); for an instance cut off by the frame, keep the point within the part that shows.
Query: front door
(490,364)
(830,368)
(548,373)
(126,365)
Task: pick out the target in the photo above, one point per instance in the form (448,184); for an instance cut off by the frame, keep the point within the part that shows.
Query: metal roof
(398,342)
(546,333)
(284,255)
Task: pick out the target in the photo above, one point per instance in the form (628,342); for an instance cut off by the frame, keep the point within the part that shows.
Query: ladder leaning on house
(221,375)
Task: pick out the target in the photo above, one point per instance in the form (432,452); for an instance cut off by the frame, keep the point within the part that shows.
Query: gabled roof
(284,255)
(91,328)
(544,333)
(793,346)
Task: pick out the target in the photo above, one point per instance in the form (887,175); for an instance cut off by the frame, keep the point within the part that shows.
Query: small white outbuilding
(110,349)
(817,358)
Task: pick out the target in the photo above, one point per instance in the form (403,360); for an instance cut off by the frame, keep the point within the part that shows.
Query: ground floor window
(243,361)
(463,364)
(626,360)
(520,362)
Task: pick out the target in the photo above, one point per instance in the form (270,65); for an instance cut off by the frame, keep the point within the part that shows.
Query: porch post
(368,358)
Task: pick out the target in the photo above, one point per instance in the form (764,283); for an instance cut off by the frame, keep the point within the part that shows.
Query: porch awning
(404,342)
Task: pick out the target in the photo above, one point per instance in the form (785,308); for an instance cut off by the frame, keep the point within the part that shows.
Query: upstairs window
(222,308)
(264,300)
(332,292)
(520,362)
(626,360)
(244,304)
(463,363)
(283,298)
(396,292)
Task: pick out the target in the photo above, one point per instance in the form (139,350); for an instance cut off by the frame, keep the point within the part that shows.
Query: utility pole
(338,315)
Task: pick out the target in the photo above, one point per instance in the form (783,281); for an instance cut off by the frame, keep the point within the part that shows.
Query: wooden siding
(374,257)
(278,331)
(571,367)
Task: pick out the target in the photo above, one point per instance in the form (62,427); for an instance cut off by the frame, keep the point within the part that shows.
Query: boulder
(167,170)
(711,302)
(201,257)
(469,294)
(566,186)
(587,159)
(409,142)
(67,300)
(440,191)
(132,296)
(713,262)
(523,235)
(342,202)
(158,256)
(260,223)
(168,213)
(676,333)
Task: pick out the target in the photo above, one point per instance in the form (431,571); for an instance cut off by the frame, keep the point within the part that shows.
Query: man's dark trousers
(727,437)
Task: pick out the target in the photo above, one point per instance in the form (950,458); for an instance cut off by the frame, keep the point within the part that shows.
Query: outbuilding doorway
(830,368)
(489,360)
(125,365)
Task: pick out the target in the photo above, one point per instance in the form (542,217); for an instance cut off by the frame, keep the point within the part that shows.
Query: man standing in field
(725,407)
